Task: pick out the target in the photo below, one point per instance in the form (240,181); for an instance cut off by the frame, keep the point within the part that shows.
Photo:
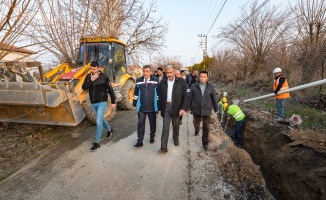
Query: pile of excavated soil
(293,158)
(20,143)
(236,168)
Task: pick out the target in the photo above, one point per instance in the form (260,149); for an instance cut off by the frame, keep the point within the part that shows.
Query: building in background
(14,53)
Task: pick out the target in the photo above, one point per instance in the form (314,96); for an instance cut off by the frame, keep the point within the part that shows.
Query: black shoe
(152,141)
(196,133)
(162,150)
(205,146)
(109,133)
(138,144)
(96,146)
(176,143)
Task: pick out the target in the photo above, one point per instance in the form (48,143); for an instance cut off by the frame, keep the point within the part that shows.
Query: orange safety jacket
(285,86)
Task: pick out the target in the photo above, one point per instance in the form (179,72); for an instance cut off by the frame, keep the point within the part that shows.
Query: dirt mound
(237,167)
(295,159)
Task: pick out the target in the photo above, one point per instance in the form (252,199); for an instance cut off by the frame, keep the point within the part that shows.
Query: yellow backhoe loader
(57,98)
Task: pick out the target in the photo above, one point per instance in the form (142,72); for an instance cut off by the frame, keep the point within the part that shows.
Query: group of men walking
(168,96)
(171,96)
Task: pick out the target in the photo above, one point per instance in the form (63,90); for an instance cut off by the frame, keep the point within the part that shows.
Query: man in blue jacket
(146,103)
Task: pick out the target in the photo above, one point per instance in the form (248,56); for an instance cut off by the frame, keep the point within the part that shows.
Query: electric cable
(217,17)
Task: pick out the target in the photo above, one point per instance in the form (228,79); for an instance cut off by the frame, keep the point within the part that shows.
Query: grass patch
(6,175)
(61,137)
(43,146)
(312,117)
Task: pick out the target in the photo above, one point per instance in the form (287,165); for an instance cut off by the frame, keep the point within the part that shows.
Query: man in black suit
(172,105)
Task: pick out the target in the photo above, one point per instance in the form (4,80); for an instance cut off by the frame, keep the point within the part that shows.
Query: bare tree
(163,61)
(144,32)
(256,34)
(309,39)
(64,22)
(15,16)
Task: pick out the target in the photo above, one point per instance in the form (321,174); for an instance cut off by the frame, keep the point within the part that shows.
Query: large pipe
(301,87)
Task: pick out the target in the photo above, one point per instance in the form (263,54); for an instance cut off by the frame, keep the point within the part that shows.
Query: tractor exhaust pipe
(301,87)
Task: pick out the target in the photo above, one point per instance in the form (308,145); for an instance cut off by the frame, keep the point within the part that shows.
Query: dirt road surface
(120,171)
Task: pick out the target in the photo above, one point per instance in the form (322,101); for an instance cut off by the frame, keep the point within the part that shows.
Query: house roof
(12,48)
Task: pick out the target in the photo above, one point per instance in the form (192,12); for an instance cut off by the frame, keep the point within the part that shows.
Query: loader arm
(53,75)
(81,75)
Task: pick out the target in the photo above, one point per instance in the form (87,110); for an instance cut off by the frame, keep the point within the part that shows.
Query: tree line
(291,37)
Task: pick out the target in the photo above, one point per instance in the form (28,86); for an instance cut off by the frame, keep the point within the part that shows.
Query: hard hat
(225,105)
(225,94)
(276,70)
(236,101)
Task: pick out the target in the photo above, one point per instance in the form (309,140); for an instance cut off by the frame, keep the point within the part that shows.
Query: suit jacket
(202,104)
(179,96)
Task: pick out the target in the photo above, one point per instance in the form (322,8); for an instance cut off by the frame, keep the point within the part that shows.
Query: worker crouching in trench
(240,120)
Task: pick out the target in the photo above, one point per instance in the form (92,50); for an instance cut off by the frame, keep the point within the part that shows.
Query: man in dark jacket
(98,85)
(201,98)
(146,100)
(160,74)
(172,105)
(191,78)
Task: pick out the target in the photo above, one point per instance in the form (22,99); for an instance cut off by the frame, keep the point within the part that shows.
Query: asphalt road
(116,171)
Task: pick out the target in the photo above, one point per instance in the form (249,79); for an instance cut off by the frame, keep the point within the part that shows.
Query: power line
(247,18)
(254,12)
(217,17)
(239,11)
(207,13)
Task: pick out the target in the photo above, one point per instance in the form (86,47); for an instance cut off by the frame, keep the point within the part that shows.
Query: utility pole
(203,46)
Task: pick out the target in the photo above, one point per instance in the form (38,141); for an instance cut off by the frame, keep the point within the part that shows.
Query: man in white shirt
(172,105)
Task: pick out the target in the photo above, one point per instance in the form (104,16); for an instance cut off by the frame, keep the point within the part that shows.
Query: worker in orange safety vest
(280,83)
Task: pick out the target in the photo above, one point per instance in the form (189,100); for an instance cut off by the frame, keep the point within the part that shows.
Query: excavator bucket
(32,102)
(39,103)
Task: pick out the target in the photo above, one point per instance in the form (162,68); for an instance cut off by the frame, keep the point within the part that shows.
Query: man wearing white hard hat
(280,83)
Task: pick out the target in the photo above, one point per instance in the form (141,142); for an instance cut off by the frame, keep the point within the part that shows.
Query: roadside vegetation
(313,115)
(292,37)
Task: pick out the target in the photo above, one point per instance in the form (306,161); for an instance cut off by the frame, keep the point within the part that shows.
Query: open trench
(294,159)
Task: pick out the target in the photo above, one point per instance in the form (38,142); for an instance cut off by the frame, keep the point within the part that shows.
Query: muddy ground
(20,143)
(294,158)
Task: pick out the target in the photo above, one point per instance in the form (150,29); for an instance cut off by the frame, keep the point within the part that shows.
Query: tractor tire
(127,93)
(108,115)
